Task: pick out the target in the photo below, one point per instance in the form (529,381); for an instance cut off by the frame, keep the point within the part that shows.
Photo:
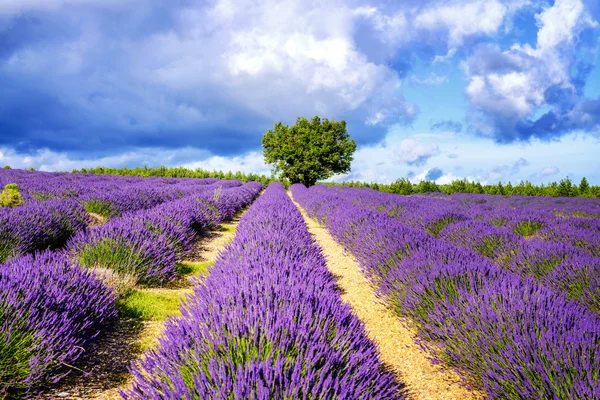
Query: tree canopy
(309,150)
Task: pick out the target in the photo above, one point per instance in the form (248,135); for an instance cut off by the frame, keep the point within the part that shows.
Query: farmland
(425,296)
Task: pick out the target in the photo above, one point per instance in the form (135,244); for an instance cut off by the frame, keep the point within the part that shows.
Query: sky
(486,90)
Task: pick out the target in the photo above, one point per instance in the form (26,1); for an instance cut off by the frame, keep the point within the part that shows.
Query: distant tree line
(177,172)
(563,188)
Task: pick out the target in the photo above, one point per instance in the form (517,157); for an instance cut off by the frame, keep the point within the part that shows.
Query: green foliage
(10,196)
(8,246)
(427,187)
(149,305)
(110,254)
(15,356)
(566,188)
(177,172)
(524,188)
(489,245)
(584,186)
(447,290)
(309,150)
(100,207)
(528,227)
(401,186)
(436,227)
(15,353)
(6,167)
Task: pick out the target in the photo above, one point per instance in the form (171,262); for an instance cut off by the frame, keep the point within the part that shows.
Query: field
(322,292)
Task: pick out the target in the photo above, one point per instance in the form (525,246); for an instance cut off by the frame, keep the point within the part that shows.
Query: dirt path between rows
(423,379)
(100,375)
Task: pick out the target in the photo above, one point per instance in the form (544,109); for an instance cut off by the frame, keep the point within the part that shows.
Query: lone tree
(309,151)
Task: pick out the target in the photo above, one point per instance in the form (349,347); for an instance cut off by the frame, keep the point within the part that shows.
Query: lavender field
(71,247)
(503,290)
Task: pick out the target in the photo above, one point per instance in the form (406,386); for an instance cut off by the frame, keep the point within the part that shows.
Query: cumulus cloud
(90,79)
(207,75)
(463,19)
(415,153)
(549,171)
(509,87)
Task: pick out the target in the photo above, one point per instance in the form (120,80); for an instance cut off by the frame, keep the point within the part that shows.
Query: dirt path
(105,370)
(424,380)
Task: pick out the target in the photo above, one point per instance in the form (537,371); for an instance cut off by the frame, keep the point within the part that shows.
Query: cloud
(47,160)
(506,171)
(510,87)
(549,171)
(440,177)
(431,80)
(453,156)
(433,174)
(445,58)
(415,153)
(461,20)
(386,109)
(447,126)
(213,76)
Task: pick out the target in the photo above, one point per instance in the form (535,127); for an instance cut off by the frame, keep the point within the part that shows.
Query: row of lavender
(35,185)
(555,242)
(52,306)
(514,336)
(267,323)
(42,224)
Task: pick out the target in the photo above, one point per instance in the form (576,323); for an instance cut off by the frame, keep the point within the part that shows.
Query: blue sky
(484,89)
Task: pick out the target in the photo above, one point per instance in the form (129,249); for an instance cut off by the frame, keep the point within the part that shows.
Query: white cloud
(463,19)
(279,59)
(415,153)
(46,160)
(442,59)
(549,171)
(430,80)
(562,23)
(510,86)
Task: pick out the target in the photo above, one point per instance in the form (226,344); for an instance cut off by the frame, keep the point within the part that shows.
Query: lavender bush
(50,308)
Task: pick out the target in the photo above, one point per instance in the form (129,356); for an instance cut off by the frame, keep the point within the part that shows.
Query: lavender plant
(50,309)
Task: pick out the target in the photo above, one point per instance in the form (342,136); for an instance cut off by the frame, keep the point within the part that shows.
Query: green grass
(157,305)
(193,268)
(227,228)
(149,305)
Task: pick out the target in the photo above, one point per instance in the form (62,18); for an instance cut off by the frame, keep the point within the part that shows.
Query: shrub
(10,196)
